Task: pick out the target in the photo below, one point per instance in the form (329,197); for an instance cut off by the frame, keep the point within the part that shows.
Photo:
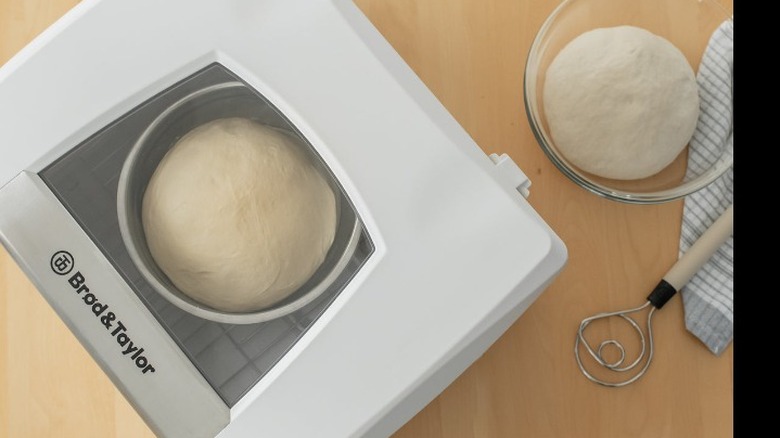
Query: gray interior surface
(232,358)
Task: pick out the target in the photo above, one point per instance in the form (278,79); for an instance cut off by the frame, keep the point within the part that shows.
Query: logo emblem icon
(62,263)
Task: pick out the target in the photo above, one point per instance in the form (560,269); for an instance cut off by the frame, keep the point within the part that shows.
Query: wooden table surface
(471,54)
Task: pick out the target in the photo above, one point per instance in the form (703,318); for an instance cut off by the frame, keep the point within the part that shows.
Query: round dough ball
(621,102)
(237,215)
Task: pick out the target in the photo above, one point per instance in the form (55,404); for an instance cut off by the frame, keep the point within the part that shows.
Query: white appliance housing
(457,253)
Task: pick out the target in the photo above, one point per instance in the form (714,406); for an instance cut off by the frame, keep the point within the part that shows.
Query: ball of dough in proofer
(237,216)
(620,102)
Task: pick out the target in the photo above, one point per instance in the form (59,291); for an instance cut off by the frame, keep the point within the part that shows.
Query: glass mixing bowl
(688,24)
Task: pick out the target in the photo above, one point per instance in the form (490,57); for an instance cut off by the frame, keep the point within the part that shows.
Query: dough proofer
(446,255)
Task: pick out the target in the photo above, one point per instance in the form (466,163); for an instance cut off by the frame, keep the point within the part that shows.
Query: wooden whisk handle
(696,256)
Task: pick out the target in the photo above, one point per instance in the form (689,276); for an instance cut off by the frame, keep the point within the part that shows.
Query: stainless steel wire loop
(643,359)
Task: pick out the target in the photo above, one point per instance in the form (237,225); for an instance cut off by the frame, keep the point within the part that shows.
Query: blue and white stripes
(708,297)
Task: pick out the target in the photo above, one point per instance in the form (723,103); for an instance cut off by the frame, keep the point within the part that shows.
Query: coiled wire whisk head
(679,274)
(638,365)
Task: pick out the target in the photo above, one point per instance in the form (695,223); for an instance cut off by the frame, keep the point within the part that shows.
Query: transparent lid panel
(232,358)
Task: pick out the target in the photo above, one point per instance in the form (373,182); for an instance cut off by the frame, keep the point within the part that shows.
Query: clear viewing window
(232,358)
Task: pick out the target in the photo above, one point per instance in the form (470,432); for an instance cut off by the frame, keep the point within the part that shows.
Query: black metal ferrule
(662,293)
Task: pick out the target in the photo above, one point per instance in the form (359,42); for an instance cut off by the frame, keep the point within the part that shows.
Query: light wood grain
(470,53)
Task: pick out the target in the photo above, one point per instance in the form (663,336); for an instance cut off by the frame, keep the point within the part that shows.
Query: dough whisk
(673,281)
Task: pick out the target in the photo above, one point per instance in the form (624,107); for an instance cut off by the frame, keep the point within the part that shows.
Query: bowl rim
(626,196)
(191,305)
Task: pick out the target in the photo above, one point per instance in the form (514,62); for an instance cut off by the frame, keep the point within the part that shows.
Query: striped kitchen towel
(709,297)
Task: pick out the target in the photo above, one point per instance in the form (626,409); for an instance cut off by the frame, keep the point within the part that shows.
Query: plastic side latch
(511,173)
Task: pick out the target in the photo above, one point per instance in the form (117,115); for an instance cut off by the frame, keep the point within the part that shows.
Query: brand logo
(62,263)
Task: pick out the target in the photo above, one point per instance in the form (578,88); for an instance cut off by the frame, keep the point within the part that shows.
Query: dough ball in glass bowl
(621,102)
